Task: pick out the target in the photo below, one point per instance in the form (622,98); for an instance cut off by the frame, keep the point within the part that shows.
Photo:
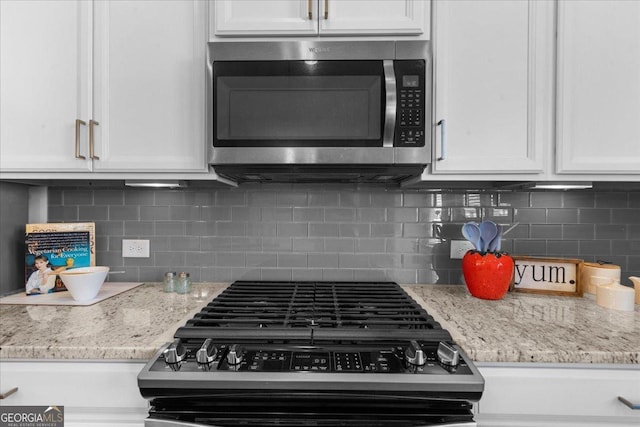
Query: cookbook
(55,247)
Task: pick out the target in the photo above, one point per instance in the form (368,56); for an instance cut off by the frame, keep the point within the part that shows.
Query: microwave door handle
(391,104)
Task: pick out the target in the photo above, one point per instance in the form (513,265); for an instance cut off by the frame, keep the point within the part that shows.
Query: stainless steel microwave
(319,110)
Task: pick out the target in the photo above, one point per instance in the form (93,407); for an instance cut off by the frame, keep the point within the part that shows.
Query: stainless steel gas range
(312,354)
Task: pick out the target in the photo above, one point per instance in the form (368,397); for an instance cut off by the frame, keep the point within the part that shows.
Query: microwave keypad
(410,117)
(410,98)
(412,137)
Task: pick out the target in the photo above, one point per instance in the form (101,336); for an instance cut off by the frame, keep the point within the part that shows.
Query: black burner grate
(317,305)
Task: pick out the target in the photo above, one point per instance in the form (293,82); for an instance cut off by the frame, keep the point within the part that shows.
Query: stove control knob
(234,356)
(175,354)
(207,353)
(414,354)
(447,354)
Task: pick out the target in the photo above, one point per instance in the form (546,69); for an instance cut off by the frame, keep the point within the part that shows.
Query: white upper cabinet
(319,17)
(372,16)
(104,86)
(260,17)
(598,95)
(149,85)
(493,86)
(44,85)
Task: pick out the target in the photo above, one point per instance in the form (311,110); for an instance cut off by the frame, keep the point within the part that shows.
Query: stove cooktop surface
(288,307)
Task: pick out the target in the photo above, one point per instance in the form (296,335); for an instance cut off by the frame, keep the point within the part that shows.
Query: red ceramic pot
(488,275)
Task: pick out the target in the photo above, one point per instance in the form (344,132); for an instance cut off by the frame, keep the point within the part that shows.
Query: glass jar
(183,286)
(169,282)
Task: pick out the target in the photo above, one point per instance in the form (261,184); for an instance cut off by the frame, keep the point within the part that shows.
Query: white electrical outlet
(459,248)
(135,248)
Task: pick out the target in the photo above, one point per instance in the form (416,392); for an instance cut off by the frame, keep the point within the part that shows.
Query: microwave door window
(299,110)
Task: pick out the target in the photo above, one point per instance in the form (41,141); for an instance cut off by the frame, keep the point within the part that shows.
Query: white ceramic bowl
(84,283)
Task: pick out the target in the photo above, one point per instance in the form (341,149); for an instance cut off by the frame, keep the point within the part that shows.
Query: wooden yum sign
(554,276)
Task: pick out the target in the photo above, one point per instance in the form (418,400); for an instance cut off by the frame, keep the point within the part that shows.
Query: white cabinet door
(149,85)
(373,16)
(324,17)
(260,17)
(493,86)
(93,393)
(550,395)
(598,105)
(44,84)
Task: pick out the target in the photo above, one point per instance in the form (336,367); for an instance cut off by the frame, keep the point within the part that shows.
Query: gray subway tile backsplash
(612,232)
(92,213)
(323,230)
(293,229)
(612,200)
(147,228)
(117,212)
(341,232)
(150,213)
(562,216)
(514,199)
(578,231)
(578,200)
(354,200)
(594,216)
(545,231)
(563,248)
(625,216)
(339,245)
(278,244)
(307,244)
(323,199)
(530,215)
(339,215)
(549,199)
(78,197)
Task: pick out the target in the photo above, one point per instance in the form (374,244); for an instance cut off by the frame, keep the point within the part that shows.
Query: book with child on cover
(55,247)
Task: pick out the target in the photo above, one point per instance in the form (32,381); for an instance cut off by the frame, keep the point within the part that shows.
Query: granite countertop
(129,326)
(518,328)
(534,328)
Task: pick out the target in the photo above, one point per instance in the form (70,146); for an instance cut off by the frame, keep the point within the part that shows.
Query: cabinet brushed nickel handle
(8,393)
(443,139)
(326,9)
(78,123)
(92,154)
(634,406)
(310,9)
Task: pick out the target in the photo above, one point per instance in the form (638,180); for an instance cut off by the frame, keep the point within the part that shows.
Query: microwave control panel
(410,84)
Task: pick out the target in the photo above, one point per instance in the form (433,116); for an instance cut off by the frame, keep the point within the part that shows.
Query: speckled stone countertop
(129,326)
(518,328)
(534,328)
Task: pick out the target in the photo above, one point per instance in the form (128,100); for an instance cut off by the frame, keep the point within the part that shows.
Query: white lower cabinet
(94,394)
(532,395)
